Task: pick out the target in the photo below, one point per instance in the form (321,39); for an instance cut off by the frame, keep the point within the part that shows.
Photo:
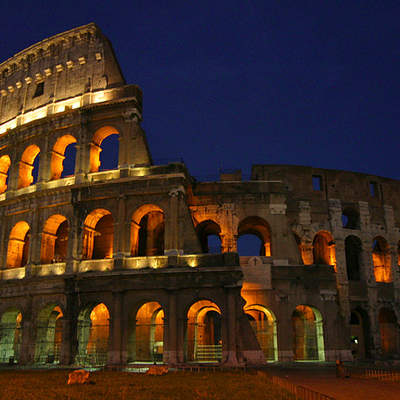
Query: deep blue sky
(231,83)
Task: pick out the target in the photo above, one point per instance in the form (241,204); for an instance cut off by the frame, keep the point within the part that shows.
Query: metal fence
(374,373)
(299,392)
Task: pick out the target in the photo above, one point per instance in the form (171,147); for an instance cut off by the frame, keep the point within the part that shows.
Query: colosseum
(138,264)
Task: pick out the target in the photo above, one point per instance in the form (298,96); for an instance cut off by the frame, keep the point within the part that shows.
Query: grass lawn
(52,384)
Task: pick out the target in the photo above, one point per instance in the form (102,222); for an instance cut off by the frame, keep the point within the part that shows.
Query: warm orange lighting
(98,235)
(4,166)
(95,146)
(26,166)
(54,240)
(381,260)
(260,228)
(18,245)
(58,155)
(324,249)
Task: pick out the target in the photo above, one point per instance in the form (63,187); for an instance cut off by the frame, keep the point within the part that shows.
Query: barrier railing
(299,392)
(374,373)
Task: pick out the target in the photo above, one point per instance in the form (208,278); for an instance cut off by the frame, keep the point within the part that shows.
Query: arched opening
(10,336)
(353,250)
(209,234)
(389,331)
(93,335)
(381,260)
(254,237)
(359,334)
(263,323)
(18,245)
(204,332)
(54,240)
(308,334)
(324,249)
(110,148)
(302,250)
(146,342)
(48,335)
(350,218)
(98,235)
(147,231)
(29,166)
(5,163)
(63,157)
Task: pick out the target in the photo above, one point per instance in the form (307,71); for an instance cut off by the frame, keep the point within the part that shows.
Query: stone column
(342,283)
(170,356)
(69,344)
(35,241)
(44,164)
(121,242)
(27,349)
(82,160)
(3,240)
(13,173)
(114,351)
(172,232)
(230,329)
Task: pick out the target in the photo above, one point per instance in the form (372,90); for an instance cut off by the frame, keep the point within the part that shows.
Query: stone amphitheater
(138,264)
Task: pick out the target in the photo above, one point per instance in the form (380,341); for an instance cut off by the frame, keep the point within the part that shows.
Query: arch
(389,332)
(204,332)
(5,163)
(98,235)
(381,259)
(146,342)
(48,335)
(10,336)
(27,167)
(301,249)
(353,251)
(93,335)
(324,249)
(308,334)
(258,227)
(207,232)
(18,245)
(147,231)
(95,147)
(350,218)
(359,334)
(54,240)
(263,322)
(58,155)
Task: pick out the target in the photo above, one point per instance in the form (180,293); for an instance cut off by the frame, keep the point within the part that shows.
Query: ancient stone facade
(114,266)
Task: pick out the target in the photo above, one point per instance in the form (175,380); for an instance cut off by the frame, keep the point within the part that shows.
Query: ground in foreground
(52,384)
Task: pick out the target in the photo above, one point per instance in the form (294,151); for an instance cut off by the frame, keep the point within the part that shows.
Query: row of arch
(203,338)
(321,251)
(147,237)
(103,155)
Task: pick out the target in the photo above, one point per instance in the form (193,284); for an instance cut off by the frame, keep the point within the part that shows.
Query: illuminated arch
(263,322)
(93,335)
(308,334)
(18,245)
(381,259)
(5,163)
(95,148)
(206,230)
(147,231)
(204,333)
(258,227)
(26,166)
(146,343)
(10,336)
(54,240)
(324,249)
(98,235)
(58,155)
(48,335)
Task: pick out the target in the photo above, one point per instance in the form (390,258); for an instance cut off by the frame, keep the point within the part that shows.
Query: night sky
(231,83)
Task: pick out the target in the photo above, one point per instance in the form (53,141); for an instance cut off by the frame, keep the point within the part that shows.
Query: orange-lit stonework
(143,264)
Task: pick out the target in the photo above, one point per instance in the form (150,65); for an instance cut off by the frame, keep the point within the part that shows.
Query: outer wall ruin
(117,266)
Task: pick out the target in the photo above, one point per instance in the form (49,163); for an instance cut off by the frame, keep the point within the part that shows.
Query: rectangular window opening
(317,182)
(39,89)
(373,189)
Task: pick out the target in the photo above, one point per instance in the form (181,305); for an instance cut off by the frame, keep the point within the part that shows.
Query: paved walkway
(323,379)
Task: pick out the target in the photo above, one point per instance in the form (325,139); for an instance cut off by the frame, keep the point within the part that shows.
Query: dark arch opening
(69,161)
(109,153)
(350,218)
(209,236)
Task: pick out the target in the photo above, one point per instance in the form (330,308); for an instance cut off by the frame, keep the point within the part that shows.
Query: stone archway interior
(10,336)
